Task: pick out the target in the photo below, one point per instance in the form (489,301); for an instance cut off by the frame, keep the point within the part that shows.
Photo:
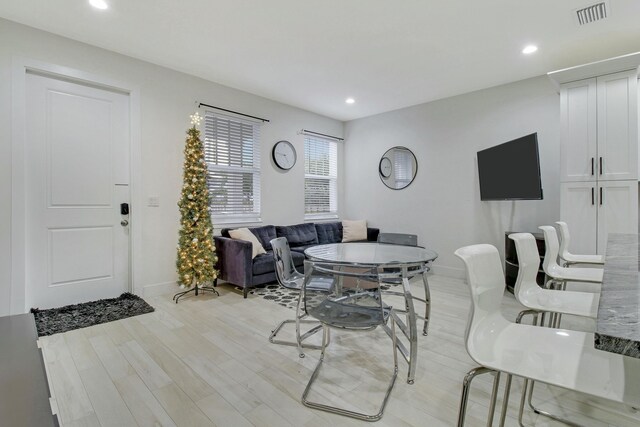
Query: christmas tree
(196,252)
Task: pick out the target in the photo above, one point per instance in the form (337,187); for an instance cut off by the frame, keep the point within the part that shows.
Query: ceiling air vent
(593,13)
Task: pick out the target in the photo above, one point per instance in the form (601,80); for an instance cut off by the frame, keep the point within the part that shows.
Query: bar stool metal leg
(466,388)
(505,400)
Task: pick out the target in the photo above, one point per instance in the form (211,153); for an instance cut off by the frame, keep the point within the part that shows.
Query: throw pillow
(246,234)
(353,231)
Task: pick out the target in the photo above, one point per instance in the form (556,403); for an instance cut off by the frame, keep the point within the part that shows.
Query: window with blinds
(232,154)
(320,178)
(403,168)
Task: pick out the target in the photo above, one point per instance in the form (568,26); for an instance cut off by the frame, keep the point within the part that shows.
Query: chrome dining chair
(357,308)
(408,240)
(557,357)
(290,278)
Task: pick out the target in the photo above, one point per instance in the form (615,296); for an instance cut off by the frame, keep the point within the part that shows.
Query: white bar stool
(562,275)
(561,358)
(539,300)
(569,258)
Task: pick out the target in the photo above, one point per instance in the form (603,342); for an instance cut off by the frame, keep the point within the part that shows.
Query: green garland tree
(196,253)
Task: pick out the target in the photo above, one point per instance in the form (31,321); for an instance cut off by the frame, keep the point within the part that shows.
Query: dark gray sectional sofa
(234,256)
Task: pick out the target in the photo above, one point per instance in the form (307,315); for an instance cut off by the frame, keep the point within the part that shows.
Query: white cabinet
(579,210)
(592,210)
(617,210)
(599,159)
(599,128)
(578,151)
(618,126)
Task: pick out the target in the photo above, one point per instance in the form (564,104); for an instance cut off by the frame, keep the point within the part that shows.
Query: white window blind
(403,168)
(232,154)
(320,178)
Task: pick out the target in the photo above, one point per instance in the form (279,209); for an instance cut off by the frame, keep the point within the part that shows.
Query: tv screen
(511,171)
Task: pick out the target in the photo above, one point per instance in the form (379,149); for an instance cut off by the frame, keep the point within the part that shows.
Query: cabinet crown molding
(593,69)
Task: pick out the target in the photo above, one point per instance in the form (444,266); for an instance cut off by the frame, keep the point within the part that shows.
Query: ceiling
(314,54)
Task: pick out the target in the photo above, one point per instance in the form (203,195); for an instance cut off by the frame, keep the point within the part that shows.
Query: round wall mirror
(398,168)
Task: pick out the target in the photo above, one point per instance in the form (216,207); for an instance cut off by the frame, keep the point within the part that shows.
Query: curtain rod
(304,131)
(200,104)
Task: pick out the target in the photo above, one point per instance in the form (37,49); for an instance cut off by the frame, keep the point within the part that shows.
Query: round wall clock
(284,155)
(385,167)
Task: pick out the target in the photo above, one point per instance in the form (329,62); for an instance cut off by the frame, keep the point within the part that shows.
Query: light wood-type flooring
(207,362)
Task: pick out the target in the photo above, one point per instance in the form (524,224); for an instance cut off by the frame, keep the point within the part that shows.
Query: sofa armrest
(234,260)
(372,234)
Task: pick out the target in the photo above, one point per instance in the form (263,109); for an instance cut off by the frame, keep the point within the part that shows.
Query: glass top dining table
(370,254)
(400,264)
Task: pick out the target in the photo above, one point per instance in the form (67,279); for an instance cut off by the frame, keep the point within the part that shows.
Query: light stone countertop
(618,324)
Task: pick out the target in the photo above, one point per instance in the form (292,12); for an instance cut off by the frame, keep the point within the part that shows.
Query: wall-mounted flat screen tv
(511,171)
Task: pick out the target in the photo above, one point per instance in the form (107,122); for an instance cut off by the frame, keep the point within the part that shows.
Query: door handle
(593,194)
(593,160)
(601,193)
(600,166)
(124,223)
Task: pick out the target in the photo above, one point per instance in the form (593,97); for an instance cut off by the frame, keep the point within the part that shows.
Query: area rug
(284,297)
(277,294)
(63,319)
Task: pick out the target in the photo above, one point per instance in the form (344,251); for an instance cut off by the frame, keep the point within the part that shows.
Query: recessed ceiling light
(99,4)
(529,49)
(350,101)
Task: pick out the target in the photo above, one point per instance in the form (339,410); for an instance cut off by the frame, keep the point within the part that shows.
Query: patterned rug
(286,298)
(276,293)
(69,317)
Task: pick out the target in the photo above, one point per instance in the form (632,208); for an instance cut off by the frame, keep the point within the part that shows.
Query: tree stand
(195,289)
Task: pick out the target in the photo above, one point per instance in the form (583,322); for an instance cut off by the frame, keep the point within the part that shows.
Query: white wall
(443,204)
(167,99)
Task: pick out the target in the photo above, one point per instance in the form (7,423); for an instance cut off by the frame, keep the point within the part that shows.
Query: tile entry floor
(207,362)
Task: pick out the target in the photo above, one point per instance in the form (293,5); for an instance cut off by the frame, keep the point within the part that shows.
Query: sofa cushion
(246,235)
(264,234)
(354,231)
(299,234)
(298,259)
(264,263)
(302,248)
(329,232)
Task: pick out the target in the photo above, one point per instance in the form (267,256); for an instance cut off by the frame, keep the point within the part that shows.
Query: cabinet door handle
(593,193)
(601,196)
(593,160)
(601,165)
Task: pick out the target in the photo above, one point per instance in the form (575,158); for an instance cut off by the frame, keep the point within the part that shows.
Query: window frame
(235,217)
(332,179)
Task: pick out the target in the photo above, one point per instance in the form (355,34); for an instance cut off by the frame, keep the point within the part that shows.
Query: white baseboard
(156,289)
(453,272)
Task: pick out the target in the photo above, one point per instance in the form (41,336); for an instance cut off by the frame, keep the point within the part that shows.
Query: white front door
(77,175)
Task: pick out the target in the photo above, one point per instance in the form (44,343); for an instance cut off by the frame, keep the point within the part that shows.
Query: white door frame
(20,67)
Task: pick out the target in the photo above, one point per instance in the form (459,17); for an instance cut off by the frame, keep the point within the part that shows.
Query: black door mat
(76,316)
